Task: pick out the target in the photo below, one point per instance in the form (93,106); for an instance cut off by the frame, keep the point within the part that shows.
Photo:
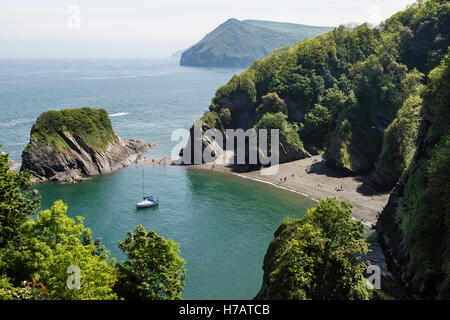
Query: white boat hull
(146,204)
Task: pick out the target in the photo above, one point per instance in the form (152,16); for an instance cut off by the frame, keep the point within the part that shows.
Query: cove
(222,223)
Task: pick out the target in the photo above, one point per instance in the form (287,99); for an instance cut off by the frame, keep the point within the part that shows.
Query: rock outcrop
(76,159)
(13,166)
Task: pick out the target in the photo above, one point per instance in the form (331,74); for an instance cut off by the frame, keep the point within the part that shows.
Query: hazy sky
(143,28)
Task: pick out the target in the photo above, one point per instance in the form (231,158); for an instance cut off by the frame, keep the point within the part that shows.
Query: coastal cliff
(317,256)
(380,108)
(340,93)
(70,145)
(414,226)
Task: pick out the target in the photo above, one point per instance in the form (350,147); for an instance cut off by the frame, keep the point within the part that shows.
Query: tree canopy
(153,271)
(317,257)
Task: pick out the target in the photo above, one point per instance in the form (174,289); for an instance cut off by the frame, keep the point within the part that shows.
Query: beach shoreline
(312,179)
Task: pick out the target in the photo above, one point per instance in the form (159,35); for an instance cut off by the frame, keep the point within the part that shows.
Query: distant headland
(238,43)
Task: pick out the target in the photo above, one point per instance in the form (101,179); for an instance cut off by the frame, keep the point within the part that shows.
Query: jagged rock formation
(66,155)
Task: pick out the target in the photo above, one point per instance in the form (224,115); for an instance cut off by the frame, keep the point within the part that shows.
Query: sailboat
(147,201)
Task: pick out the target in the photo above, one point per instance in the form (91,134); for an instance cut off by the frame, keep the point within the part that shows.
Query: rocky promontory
(70,145)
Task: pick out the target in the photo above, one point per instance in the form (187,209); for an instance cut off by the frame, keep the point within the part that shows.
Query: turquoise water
(223,223)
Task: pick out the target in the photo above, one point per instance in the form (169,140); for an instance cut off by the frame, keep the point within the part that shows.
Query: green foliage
(16,203)
(334,100)
(239,85)
(36,251)
(211,119)
(423,209)
(318,256)
(316,127)
(424,33)
(288,131)
(399,145)
(271,103)
(437,96)
(92,126)
(153,271)
(53,242)
(362,76)
(225,117)
(352,146)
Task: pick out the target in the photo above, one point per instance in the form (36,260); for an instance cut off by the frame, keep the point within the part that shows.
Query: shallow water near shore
(222,223)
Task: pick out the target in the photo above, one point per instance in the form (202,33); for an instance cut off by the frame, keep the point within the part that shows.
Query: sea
(222,223)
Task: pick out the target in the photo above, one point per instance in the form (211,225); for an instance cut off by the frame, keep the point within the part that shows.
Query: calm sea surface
(223,223)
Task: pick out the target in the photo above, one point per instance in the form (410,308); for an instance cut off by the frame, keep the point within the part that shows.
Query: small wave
(118,114)
(15,122)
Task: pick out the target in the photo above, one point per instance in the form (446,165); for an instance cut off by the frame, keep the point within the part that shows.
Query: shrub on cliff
(271,103)
(288,131)
(399,145)
(316,127)
(16,203)
(317,257)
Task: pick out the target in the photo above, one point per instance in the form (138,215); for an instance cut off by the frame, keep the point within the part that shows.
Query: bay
(222,223)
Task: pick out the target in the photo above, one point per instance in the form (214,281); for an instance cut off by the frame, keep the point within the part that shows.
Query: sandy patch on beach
(310,177)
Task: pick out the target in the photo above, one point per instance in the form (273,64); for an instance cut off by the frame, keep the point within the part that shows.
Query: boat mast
(143,192)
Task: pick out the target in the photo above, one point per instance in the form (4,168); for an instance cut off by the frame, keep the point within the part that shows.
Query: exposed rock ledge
(13,166)
(80,161)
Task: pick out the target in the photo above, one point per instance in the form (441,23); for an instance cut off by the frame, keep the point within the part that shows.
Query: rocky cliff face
(13,166)
(71,144)
(80,161)
(287,151)
(414,226)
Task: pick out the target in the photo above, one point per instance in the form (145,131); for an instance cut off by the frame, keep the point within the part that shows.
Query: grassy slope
(292,29)
(245,42)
